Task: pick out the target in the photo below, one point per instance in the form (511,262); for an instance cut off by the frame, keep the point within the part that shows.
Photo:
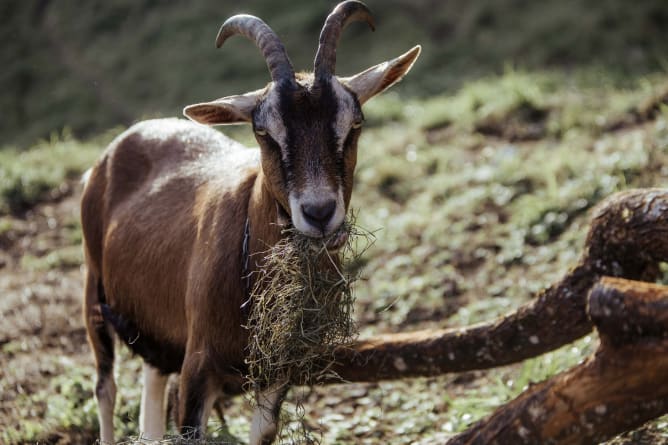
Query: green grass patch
(36,174)
(61,258)
(506,384)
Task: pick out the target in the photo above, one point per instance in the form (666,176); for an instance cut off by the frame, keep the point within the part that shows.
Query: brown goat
(172,210)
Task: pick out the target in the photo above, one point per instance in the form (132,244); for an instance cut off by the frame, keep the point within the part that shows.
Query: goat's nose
(319,214)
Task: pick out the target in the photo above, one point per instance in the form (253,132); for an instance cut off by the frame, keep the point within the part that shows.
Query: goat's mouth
(332,242)
(337,240)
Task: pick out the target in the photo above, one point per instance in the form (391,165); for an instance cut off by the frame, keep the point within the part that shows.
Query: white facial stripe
(270,117)
(345,114)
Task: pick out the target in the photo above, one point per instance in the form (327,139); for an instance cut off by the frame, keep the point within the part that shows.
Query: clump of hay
(302,305)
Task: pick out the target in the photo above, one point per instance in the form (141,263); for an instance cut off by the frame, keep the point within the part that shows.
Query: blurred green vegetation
(93,65)
(30,176)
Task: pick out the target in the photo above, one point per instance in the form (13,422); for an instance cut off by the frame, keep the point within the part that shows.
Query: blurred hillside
(97,64)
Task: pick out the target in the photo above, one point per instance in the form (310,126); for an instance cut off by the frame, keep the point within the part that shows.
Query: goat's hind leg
(101,340)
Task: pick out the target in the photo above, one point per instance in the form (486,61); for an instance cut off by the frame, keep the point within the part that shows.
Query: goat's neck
(265,230)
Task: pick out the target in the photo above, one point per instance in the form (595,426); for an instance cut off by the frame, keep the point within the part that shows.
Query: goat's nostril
(319,214)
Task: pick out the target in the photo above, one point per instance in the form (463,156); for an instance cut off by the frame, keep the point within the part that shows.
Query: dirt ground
(42,337)
(41,333)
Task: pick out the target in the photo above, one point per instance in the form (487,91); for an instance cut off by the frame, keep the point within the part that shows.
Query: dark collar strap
(245,261)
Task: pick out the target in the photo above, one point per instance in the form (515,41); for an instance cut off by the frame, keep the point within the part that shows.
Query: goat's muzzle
(337,240)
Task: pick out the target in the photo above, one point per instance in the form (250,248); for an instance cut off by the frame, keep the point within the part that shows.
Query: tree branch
(618,389)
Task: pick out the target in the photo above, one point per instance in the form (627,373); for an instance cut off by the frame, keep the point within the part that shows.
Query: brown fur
(163,215)
(161,219)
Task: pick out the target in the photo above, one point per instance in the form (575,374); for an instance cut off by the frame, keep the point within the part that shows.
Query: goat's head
(307,125)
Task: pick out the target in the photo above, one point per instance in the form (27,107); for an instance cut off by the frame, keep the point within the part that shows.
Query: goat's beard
(301,309)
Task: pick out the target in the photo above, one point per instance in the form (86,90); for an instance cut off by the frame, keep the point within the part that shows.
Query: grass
(460,199)
(70,256)
(40,172)
(508,384)
(67,402)
(476,199)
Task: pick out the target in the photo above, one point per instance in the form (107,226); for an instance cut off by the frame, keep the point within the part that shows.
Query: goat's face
(308,136)
(307,125)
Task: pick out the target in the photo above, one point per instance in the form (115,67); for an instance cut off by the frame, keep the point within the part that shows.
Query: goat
(172,210)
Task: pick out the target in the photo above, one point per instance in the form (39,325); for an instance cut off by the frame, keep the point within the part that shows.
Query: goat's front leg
(153,411)
(265,417)
(196,397)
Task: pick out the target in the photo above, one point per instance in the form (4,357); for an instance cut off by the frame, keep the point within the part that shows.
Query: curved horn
(265,38)
(344,13)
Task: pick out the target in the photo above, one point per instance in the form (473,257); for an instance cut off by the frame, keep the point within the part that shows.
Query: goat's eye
(260,131)
(357,124)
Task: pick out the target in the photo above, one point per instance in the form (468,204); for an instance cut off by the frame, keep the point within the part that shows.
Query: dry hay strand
(302,306)
(188,438)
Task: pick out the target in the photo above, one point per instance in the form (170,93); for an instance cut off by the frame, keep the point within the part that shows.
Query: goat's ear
(378,78)
(228,110)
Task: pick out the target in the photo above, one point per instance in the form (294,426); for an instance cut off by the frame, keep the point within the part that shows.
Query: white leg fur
(153,410)
(106,398)
(265,422)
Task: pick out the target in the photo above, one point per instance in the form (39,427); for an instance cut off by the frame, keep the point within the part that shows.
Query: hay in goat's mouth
(302,305)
